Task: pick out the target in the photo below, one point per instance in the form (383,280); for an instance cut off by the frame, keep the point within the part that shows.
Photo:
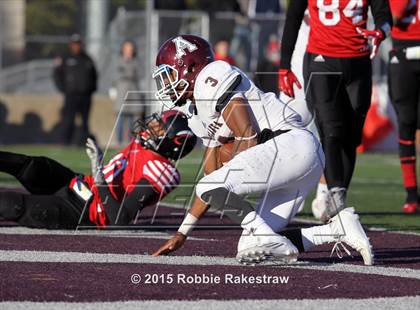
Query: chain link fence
(248,39)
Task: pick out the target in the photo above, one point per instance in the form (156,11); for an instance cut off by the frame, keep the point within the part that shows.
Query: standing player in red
(338,78)
(404,88)
(138,176)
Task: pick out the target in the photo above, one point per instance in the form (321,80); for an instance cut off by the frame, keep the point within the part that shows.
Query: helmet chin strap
(181,102)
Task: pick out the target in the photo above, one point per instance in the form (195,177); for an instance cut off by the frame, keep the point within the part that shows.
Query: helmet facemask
(163,137)
(150,131)
(170,89)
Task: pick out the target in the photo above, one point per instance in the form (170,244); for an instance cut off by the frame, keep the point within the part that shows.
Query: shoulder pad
(216,84)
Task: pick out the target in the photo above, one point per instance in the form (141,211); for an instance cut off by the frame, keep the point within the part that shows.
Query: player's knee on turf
(231,204)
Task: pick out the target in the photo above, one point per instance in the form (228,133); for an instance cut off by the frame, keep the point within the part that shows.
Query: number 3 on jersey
(329,14)
(213,82)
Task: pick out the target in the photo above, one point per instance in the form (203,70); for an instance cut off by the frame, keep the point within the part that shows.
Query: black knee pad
(12,205)
(222,200)
(332,130)
(39,216)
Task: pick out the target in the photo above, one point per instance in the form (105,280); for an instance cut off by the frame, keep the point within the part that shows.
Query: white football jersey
(218,83)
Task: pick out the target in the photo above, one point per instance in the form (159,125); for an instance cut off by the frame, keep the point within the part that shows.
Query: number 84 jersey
(333,26)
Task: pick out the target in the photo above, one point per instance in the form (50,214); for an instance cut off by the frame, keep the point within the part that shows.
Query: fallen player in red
(138,176)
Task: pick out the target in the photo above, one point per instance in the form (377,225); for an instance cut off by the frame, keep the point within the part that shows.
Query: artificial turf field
(376,191)
(91,269)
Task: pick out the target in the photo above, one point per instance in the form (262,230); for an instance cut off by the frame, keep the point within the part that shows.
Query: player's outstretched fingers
(171,245)
(163,250)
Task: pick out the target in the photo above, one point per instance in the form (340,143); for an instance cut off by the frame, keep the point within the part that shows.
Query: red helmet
(174,141)
(179,61)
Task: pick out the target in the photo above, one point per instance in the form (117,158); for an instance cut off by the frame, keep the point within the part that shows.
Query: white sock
(322,189)
(255,224)
(316,235)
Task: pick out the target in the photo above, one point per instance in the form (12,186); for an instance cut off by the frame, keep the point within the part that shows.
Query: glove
(376,36)
(95,155)
(286,80)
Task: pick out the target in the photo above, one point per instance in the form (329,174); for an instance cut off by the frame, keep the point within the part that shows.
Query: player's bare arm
(198,209)
(236,115)
(210,160)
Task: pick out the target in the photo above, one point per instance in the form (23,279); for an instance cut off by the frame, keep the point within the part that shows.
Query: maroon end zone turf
(111,282)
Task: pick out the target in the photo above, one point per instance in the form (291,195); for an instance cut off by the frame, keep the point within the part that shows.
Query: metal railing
(30,77)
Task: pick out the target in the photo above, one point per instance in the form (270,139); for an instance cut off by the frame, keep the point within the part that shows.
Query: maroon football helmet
(179,61)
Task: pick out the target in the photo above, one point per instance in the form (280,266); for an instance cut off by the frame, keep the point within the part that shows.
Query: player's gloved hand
(171,245)
(95,155)
(376,36)
(286,81)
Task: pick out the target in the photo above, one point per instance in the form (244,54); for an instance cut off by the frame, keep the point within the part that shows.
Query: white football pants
(283,170)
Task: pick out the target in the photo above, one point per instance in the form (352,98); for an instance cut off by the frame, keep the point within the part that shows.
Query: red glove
(286,80)
(376,36)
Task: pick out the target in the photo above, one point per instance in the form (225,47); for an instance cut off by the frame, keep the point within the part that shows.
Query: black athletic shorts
(338,93)
(404,91)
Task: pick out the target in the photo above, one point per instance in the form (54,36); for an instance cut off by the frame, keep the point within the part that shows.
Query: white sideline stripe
(376,181)
(136,234)
(77,257)
(402,303)
(410,233)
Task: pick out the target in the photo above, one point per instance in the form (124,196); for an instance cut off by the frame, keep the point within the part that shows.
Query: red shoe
(410,207)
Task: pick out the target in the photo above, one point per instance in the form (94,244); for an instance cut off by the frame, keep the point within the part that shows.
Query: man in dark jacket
(75,76)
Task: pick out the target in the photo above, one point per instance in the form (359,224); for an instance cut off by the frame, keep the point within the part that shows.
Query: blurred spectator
(127,80)
(242,36)
(75,76)
(251,35)
(267,27)
(266,78)
(221,52)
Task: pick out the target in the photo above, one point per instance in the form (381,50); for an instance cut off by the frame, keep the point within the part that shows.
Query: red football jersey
(125,170)
(408,13)
(333,26)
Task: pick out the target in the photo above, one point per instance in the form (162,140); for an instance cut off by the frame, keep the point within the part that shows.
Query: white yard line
(137,234)
(403,303)
(77,257)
